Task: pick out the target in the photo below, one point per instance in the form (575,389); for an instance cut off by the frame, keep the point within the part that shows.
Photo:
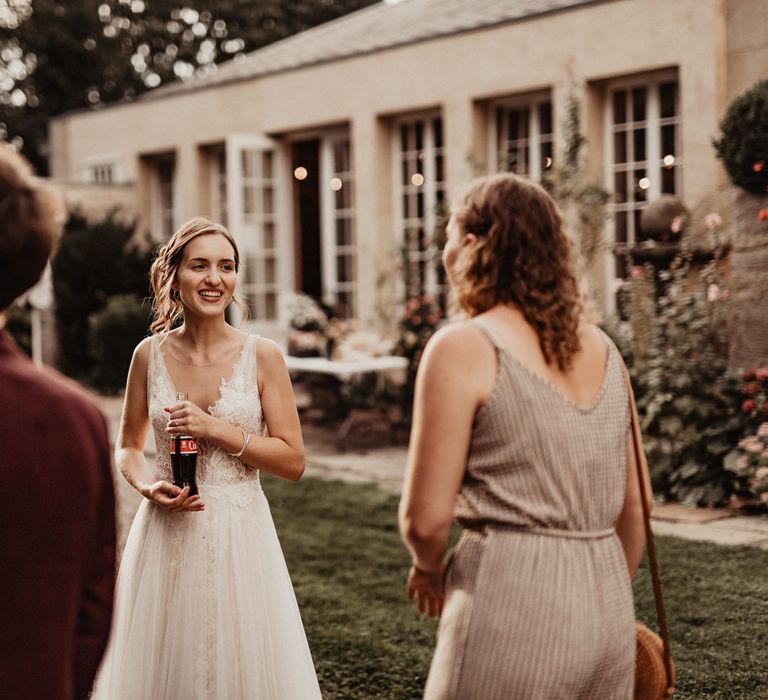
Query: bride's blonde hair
(167,308)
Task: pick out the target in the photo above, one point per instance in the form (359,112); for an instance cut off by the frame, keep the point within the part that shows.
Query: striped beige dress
(539,603)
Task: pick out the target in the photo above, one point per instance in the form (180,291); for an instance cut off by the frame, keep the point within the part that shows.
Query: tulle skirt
(205,608)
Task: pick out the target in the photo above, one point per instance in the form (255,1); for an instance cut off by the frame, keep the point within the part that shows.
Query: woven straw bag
(654,669)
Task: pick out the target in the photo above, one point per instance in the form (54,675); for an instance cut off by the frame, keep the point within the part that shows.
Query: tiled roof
(374,28)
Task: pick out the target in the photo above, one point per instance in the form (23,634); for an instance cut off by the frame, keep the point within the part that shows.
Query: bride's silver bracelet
(246,440)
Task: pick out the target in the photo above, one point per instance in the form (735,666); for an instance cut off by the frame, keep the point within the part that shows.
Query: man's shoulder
(27,384)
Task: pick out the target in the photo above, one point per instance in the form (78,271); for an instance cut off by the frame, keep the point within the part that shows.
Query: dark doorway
(306,207)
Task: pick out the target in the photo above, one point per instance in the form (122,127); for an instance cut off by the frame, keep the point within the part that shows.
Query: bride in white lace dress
(205,608)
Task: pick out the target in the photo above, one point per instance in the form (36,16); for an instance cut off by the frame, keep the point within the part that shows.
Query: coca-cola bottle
(184,457)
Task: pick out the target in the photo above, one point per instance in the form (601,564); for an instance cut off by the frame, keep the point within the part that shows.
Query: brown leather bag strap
(637,440)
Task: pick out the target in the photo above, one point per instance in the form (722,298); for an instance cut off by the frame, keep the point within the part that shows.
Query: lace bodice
(239,403)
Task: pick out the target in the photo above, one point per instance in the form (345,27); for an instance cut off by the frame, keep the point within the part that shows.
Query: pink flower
(677,224)
(637,272)
(741,462)
(713,220)
(713,292)
(761,473)
(748,375)
(762,215)
(748,406)
(751,388)
(757,167)
(762,430)
(761,374)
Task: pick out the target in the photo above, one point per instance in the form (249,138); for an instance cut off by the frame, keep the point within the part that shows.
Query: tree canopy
(57,56)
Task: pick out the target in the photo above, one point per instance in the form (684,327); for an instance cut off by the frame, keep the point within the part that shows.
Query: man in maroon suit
(57,517)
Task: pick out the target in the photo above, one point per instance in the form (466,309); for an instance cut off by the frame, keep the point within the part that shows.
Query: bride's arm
(282,452)
(129,447)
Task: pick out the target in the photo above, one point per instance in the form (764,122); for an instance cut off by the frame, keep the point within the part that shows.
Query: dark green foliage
(114,332)
(581,201)
(743,147)
(688,398)
(93,263)
(79,58)
(19,326)
(349,568)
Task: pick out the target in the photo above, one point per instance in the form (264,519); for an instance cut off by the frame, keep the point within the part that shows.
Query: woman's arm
(129,448)
(630,526)
(282,452)
(455,376)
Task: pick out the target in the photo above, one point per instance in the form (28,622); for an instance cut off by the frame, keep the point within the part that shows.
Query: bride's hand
(428,589)
(187,418)
(172,498)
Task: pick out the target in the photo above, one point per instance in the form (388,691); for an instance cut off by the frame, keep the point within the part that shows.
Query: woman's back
(539,458)
(539,604)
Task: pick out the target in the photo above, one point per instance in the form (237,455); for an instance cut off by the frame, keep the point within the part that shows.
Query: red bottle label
(188,446)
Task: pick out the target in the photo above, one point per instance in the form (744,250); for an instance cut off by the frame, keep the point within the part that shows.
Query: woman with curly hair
(204,605)
(521,433)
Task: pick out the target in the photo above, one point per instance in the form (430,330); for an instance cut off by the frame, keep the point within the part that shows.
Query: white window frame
(329,215)
(91,168)
(218,183)
(653,157)
(429,152)
(248,231)
(157,212)
(531,101)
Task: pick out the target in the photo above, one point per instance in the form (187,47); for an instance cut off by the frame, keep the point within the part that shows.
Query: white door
(254,169)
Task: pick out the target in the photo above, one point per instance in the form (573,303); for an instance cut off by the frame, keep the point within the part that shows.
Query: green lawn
(348,567)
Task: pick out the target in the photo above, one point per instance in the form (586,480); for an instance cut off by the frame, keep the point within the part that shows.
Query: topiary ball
(743,147)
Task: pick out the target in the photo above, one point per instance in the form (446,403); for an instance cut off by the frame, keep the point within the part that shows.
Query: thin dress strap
(252,361)
(488,332)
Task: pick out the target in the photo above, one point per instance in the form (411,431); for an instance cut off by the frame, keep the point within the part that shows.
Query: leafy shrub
(19,326)
(421,318)
(94,262)
(115,331)
(743,147)
(749,459)
(688,398)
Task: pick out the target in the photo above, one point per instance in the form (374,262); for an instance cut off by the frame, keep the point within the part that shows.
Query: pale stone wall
(95,202)
(456,74)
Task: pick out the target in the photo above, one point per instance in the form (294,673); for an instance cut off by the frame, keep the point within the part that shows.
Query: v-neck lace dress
(204,608)
(539,603)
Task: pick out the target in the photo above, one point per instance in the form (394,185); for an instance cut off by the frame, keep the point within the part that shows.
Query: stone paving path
(385,467)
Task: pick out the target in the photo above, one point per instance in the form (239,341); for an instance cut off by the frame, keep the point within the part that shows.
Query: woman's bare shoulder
(461,345)
(268,352)
(142,350)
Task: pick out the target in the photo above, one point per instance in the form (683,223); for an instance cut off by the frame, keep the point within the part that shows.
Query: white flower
(713,292)
(713,220)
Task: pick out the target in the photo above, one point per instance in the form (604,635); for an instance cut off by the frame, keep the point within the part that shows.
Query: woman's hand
(428,588)
(171,497)
(187,418)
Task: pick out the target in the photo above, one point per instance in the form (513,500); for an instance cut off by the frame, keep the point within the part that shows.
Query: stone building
(332,154)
